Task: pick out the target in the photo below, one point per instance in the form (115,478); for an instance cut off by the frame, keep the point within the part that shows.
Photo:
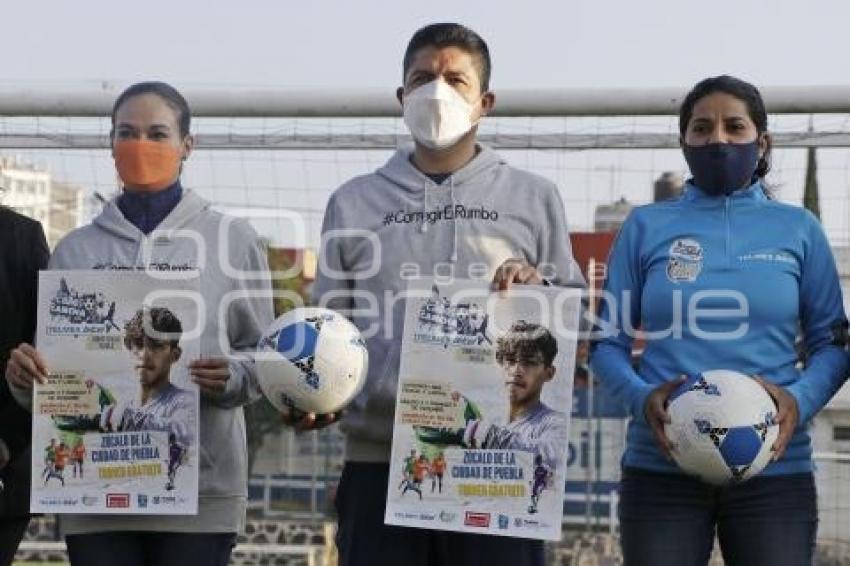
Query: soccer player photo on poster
(115,428)
(483,407)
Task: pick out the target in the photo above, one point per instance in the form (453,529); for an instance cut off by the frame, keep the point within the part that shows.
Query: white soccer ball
(312,359)
(723,424)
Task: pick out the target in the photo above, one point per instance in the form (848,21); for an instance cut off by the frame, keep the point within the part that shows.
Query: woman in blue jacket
(722,278)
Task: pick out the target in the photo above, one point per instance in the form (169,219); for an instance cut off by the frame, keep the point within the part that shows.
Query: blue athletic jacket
(721,283)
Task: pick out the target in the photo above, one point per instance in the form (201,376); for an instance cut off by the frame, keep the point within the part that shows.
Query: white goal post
(44,102)
(376,103)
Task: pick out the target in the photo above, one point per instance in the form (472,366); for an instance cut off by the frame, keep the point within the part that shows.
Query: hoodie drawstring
(453,257)
(424,226)
(140,246)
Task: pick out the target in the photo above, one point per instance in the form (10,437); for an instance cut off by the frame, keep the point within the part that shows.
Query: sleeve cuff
(639,402)
(795,390)
(234,384)
(242,387)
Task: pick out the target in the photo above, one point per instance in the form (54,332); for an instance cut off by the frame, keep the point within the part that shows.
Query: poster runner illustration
(115,428)
(483,408)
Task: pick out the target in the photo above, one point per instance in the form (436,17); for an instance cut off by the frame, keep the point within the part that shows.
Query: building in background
(26,189)
(609,217)
(668,186)
(67,207)
(31,190)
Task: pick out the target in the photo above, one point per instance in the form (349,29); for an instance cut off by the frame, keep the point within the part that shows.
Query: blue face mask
(722,168)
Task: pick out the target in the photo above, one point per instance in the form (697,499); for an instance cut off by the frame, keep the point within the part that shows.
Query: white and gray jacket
(230,258)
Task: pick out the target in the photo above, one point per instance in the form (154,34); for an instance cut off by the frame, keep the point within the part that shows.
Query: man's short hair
(451,35)
(158,319)
(525,341)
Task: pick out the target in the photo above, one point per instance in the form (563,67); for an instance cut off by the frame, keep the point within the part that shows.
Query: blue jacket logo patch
(685,261)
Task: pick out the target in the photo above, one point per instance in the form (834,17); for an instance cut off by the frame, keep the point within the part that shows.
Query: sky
(336,43)
(339,45)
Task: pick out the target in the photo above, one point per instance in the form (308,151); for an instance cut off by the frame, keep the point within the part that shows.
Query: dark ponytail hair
(165,91)
(743,91)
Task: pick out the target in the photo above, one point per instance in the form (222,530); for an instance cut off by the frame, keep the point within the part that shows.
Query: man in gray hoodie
(450,208)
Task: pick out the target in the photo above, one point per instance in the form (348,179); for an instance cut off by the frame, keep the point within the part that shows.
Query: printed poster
(483,409)
(115,428)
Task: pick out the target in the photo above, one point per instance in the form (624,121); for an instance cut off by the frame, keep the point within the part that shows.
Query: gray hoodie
(111,242)
(383,228)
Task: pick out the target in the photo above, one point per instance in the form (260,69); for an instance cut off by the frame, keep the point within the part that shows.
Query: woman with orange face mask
(150,143)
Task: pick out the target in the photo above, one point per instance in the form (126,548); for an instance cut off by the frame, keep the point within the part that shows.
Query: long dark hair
(743,91)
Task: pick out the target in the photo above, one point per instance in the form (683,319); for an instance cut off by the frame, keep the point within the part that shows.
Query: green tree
(811,197)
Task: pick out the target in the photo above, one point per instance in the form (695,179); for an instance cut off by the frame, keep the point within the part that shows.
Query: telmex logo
(474,519)
(118,500)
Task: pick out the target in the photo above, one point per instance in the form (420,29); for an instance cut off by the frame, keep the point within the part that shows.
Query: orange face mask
(146,165)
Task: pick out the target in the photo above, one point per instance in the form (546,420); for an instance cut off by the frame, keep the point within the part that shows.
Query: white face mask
(437,115)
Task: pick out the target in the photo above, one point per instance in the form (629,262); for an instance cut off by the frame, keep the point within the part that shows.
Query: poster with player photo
(483,409)
(115,428)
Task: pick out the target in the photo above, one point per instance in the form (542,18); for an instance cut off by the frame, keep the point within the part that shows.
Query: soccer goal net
(274,157)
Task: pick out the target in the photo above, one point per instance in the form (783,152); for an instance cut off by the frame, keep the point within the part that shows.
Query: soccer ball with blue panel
(311,359)
(723,424)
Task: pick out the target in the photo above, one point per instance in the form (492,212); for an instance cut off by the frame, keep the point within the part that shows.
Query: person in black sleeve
(23,251)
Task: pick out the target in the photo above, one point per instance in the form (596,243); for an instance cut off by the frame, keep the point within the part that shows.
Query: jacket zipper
(727,215)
